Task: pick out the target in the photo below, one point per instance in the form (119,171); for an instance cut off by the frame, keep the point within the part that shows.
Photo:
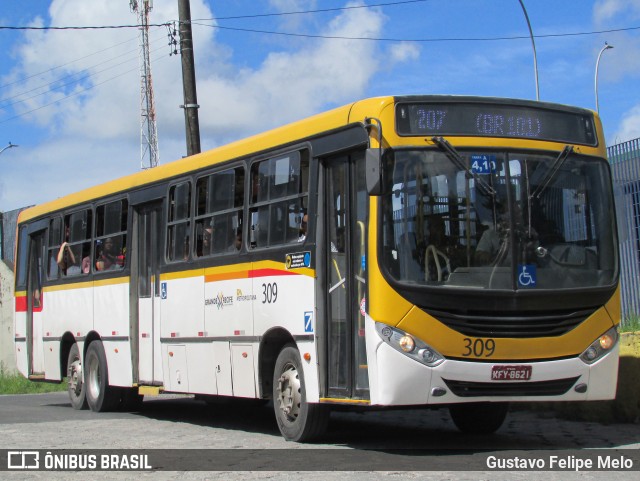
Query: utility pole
(149,154)
(192,125)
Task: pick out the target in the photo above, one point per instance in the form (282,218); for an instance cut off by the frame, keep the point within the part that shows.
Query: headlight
(600,346)
(409,345)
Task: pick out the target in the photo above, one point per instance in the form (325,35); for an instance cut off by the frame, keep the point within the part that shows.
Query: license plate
(511,373)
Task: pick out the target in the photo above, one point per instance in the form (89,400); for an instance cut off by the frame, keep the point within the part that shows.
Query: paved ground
(47,421)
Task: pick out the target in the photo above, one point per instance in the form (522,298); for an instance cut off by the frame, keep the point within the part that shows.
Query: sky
(71,98)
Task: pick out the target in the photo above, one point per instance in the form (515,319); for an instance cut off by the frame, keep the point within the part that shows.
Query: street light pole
(606,47)
(533,44)
(9,147)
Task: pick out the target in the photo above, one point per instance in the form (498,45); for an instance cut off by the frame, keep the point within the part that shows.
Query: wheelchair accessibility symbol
(526,275)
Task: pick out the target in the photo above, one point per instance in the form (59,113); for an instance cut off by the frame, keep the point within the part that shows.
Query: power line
(86,27)
(289,34)
(65,77)
(22,79)
(72,82)
(168,24)
(419,40)
(301,12)
(73,94)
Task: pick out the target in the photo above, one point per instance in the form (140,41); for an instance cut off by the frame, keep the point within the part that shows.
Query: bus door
(146,293)
(346,202)
(35,328)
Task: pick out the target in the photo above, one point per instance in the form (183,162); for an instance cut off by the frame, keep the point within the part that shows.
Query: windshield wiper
(453,155)
(551,173)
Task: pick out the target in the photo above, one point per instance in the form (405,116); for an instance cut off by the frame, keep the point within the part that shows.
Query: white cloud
(629,127)
(93,125)
(606,10)
(404,51)
(289,85)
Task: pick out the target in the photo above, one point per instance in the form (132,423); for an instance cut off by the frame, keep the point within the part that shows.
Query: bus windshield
(494,219)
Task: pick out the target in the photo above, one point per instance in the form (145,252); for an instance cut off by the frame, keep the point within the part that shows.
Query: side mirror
(373,169)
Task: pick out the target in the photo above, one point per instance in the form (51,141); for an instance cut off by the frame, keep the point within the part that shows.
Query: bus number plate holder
(511,373)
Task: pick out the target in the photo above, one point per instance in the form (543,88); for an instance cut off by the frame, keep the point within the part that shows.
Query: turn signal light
(407,344)
(606,342)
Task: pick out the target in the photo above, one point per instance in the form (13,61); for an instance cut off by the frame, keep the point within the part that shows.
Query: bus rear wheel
(297,419)
(100,396)
(75,379)
(479,418)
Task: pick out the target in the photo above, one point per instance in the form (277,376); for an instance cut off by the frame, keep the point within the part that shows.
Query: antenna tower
(149,155)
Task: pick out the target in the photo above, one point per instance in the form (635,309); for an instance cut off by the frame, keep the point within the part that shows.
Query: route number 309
(479,347)
(269,293)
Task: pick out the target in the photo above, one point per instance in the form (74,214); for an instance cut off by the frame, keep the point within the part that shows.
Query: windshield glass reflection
(530,230)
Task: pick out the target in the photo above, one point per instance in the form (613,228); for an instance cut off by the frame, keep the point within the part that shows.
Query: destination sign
(495,120)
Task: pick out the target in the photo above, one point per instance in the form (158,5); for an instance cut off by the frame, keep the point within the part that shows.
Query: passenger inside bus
(66,258)
(237,242)
(110,257)
(493,237)
(303,228)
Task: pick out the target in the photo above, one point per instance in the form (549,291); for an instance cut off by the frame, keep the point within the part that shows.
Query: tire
(297,419)
(479,418)
(75,379)
(100,396)
(130,400)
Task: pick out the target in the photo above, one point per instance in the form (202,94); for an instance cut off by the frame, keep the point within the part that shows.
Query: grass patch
(630,324)
(17,384)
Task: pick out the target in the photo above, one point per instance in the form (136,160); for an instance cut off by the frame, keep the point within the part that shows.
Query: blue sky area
(71,98)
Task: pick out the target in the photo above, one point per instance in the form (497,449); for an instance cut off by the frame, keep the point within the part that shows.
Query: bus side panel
(52,369)
(182,311)
(69,308)
(119,362)
(286,299)
(228,314)
(111,309)
(111,320)
(227,303)
(200,364)
(182,322)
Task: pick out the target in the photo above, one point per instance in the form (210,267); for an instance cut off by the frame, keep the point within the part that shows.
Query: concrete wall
(7,354)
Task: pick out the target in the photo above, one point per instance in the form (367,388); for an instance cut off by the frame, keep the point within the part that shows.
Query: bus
(433,251)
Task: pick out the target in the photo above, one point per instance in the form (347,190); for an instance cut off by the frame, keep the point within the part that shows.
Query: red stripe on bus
(21,304)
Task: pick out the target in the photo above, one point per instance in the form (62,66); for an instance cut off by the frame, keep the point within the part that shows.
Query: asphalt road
(47,421)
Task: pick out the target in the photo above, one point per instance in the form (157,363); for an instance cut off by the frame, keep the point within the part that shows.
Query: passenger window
(179,225)
(53,247)
(110,247)
(74,255)
(279,199)
(220,200)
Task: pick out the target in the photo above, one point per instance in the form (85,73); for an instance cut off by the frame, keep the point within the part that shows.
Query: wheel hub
(74,374)
(288,390)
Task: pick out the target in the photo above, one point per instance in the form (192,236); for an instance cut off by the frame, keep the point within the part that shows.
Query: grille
(556,387)
(496,324)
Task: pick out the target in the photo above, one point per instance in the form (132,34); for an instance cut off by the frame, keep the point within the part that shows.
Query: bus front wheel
(297,419)
(478,418)
(100,396)
(75,379)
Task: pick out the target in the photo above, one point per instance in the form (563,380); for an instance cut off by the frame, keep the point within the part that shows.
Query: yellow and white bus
(438,251)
